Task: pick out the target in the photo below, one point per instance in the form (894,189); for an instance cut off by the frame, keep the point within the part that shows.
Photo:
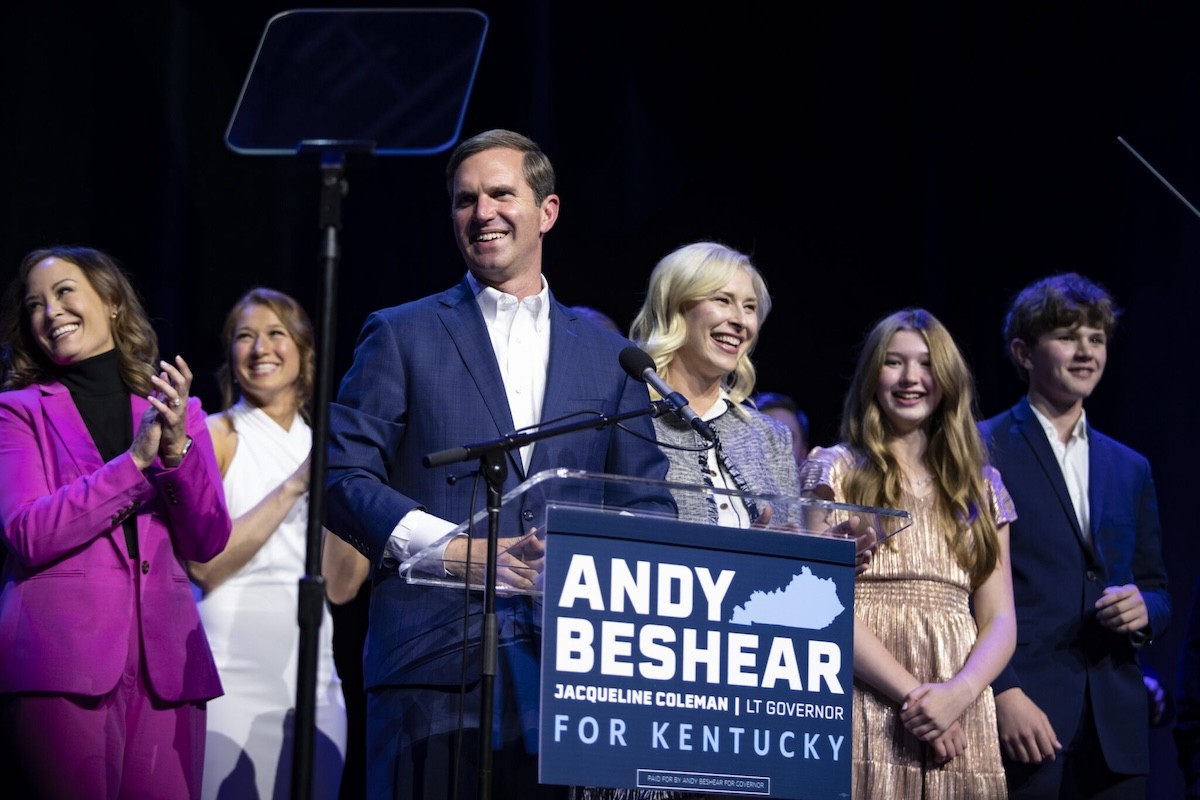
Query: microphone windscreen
(635,361)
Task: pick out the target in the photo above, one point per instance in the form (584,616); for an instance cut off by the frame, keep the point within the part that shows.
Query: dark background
(868,159)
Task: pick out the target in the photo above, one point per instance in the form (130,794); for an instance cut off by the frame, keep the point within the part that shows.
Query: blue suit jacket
(1062,651)
(425,379)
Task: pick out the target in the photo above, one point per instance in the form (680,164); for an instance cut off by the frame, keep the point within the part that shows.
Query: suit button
(527,515)
(1091,575)
(145,567)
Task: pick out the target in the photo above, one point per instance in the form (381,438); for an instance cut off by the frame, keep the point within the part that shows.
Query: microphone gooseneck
(638,364)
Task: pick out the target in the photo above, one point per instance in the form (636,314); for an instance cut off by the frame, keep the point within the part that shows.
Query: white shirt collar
(491,300)
(1079,432)
(722,405)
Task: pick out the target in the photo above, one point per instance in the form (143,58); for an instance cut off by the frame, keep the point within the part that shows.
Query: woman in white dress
(250,592)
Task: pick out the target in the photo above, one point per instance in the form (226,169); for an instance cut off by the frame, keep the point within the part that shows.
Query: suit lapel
(564,353)
(1099,473)
(137,407)
(1035,436)
(464,324)
(63,417)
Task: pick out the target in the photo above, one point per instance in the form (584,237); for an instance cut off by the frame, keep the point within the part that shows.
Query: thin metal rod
(312,584)
(1154,172)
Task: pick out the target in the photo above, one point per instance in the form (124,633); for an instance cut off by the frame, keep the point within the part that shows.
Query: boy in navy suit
(1088,574)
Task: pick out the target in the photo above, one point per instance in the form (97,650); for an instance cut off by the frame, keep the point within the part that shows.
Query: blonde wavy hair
(682,278)
(955,453)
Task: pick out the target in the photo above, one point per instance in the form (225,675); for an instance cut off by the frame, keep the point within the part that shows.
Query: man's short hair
(1066,300)
(537,169)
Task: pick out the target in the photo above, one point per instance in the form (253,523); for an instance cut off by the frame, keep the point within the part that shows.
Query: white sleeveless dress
(252,627)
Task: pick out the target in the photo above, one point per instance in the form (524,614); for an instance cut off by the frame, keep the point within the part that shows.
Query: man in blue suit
(1088,574)
(494,354)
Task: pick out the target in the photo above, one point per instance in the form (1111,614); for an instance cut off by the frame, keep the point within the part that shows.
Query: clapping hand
(170,401)
(146,439)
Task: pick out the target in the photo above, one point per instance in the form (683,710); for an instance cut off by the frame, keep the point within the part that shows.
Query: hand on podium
(519,560)
(865,537)
(764,521)
(866,540)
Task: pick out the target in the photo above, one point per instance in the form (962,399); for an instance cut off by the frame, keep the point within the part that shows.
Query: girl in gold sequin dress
(924,719)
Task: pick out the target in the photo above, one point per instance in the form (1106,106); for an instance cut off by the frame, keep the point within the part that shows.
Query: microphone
(638,364)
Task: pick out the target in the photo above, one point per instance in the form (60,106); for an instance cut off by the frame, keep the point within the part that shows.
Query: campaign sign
(695,658)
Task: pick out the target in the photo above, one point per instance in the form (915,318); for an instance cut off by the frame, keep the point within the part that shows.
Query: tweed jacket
(755,448)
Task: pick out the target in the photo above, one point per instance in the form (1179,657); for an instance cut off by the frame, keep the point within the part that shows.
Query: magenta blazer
(70,589)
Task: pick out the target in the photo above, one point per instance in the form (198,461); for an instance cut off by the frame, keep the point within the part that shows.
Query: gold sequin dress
(915,598)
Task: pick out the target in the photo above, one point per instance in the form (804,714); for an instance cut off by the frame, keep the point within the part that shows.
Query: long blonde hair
(681,278)
(955,451)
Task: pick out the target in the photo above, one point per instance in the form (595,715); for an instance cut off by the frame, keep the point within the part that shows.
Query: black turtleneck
(103,401)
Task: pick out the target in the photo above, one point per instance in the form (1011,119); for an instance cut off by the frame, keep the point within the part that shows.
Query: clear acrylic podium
(678,655)
(607,494)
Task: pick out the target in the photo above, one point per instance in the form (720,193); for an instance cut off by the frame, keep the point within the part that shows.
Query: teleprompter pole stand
(331,83)
(312,584)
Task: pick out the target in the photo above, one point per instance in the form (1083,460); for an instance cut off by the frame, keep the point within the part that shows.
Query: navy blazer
(425,379)
(1062,651)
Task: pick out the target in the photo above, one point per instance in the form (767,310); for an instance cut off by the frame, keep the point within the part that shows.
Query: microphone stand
(494,468)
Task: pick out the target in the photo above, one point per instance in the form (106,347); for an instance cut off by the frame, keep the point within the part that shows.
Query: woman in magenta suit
(109,483)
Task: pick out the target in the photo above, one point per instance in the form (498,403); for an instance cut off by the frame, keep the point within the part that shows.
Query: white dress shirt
(731,509)
(1073,461)
(520,331)
(520,334)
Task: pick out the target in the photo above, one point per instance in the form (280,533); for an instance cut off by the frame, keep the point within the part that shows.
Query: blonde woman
(704,307)
(700,321)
